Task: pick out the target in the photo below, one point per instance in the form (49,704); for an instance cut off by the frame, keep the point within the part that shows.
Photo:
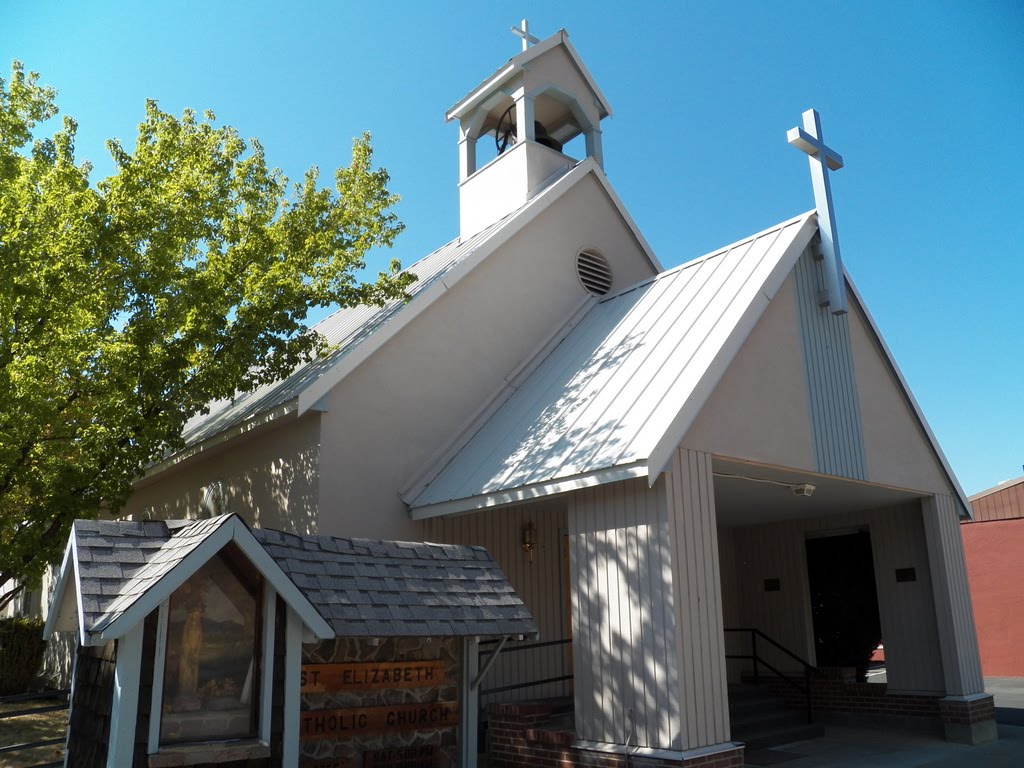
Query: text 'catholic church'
(656,501)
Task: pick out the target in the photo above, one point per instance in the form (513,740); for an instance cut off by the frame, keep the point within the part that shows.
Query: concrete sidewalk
(843,747)
(1008,693)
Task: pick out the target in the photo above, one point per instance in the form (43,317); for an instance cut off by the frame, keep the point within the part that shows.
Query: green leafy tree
(128,305)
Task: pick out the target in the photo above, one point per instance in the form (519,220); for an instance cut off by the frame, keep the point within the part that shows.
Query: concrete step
(762,719)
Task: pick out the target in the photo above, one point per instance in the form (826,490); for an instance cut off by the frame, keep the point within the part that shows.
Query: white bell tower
(531,107)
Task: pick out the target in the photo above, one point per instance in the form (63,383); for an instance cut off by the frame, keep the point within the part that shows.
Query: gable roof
(616,396)
(120,571)
(578,418)
(519,62)
(356,332)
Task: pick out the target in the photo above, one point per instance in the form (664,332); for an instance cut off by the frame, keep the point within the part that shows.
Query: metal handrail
(530,683)
(808,668)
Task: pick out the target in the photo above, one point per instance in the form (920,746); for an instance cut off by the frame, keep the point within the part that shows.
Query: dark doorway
(844,602)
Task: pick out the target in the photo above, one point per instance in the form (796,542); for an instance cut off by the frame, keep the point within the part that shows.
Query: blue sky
(924,100)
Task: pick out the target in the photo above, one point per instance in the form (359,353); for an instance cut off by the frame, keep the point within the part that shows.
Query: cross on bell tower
(822,159)
(523,31)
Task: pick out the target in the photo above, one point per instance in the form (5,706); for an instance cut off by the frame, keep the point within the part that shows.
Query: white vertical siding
(958,640)
(541,585)
(831,385)
(732,610)
(698,599)
(623,618)
(906,610)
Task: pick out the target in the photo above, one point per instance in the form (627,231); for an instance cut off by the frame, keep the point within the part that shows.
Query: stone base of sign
(541,733)
(421,743)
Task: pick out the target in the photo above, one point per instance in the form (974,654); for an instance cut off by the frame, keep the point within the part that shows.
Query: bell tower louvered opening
(594,273)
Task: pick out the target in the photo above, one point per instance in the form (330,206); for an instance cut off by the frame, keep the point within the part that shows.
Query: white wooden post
(469,703)
(159,662)
(524,116)
(594,149)
(125,707)
(467,156)
(267,666)
(292,675)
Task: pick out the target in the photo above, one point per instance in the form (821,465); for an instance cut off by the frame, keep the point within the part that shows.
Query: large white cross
(523,31)
(822,159)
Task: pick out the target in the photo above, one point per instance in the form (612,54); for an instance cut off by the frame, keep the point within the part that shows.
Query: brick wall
(540,734)
(995,571)
(838,695)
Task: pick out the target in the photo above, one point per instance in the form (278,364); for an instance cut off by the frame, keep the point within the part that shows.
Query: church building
(694,479)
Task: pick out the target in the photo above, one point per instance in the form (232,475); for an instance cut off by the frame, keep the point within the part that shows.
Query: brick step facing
(760,719)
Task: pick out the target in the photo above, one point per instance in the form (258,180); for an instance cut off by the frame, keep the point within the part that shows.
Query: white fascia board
(628,220)
(672,436)
(277,412)
(585,74)
(440,459)
(333,375)
(530,492)
(517,63)
(471,100)
(233,530)
(67,568)
(280,581)
(965,512)
(111,629)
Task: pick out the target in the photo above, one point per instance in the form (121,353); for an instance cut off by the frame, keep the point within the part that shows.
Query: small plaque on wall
(906,574)
(424,756)
(772,585)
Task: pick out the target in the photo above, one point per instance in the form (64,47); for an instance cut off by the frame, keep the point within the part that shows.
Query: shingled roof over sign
(373,588)
(116,572)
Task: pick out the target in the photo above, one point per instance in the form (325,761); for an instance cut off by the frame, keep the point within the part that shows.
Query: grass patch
(29,728)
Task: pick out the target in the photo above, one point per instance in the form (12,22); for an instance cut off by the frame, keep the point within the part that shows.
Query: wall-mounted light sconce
(529,539)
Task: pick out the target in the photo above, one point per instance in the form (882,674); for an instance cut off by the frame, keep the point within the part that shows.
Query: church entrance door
(844,601)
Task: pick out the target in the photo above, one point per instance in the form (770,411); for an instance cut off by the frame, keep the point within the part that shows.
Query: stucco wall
(270,478)
(759,410)
(896,449)
(396,412)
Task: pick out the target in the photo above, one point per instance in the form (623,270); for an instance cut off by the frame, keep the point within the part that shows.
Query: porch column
(697,588)
(648,648)
(625,662)
(967,712)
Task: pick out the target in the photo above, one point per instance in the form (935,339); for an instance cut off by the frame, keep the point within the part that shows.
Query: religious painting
(211,671)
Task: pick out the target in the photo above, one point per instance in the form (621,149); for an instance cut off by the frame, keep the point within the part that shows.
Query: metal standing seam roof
(606,395)
(344,330)
(360,587)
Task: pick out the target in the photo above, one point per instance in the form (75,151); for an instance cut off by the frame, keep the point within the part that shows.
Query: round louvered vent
(593,271)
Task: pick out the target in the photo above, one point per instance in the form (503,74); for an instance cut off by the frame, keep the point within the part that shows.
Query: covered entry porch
(646,580)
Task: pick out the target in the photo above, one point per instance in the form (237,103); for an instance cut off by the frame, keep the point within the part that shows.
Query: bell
(541,136)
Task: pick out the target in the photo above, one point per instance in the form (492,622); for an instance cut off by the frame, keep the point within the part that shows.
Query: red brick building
(994,549)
